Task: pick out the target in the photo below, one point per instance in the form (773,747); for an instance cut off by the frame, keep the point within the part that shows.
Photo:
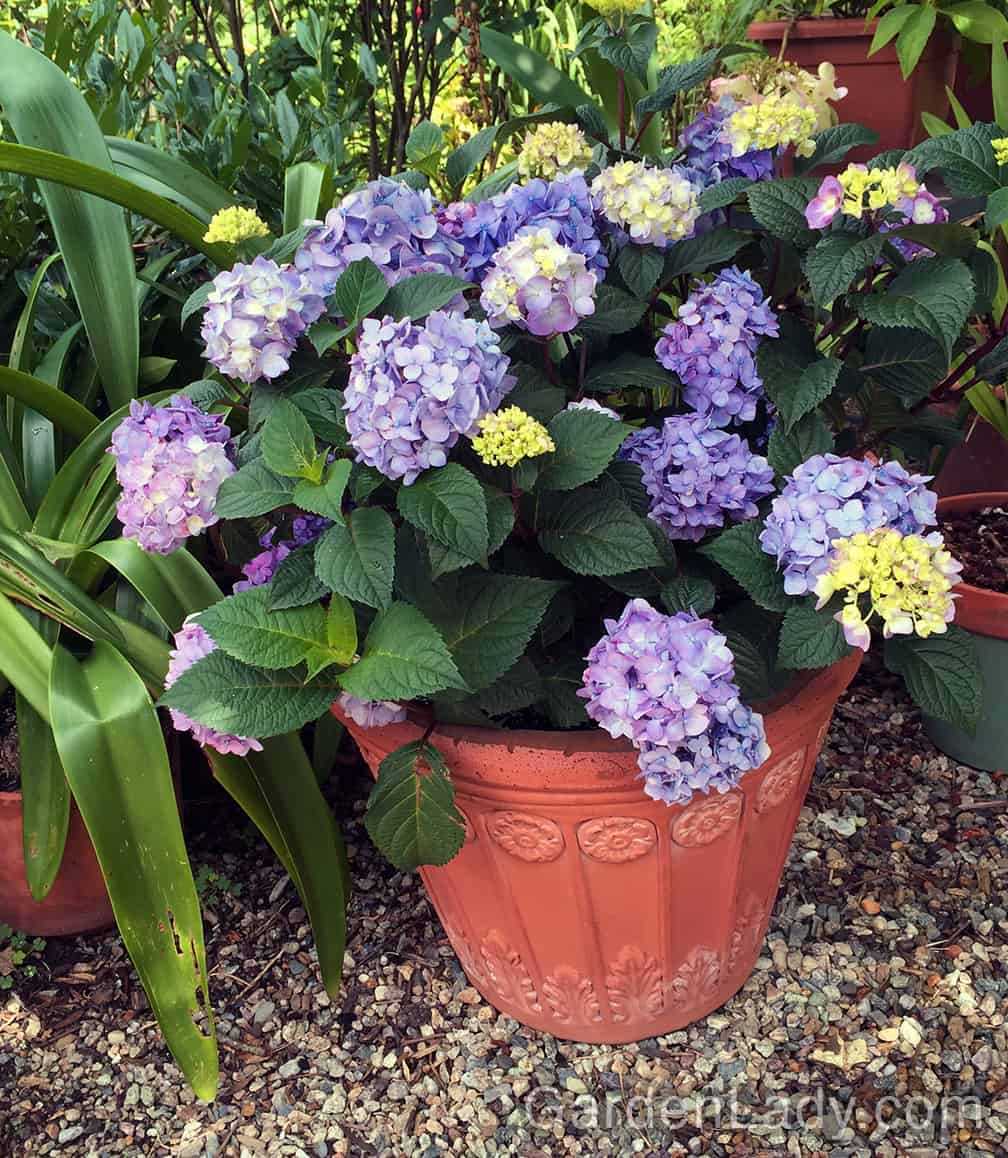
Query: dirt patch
(979,540)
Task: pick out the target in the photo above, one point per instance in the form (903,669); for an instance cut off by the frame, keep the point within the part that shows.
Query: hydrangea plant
(632,444)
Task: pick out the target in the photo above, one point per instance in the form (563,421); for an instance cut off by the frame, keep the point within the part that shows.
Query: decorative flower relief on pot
(780,781)
(570,996)
(634,985)
(704,822)
(696,980)
(507,973)
(531,838)
(616,839)
(747,934)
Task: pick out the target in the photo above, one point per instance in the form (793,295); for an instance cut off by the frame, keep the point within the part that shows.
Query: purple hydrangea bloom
(698,477)
(371,713)
(261,568)
(415,388)
(666,683)
(709,157)
(254,317)
(170,463)
(830,497)
(386,221)
(563,206)
(711,346)
(192,644)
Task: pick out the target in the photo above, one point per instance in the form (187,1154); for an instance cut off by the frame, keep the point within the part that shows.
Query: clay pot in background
(583,908)
(77,902)
(985,615)
(877,96)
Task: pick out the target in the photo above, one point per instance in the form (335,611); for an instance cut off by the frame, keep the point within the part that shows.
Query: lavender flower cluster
(831,497)
(261,568)
(192,644)
(415,388)
(666,683)
(386,221)
(697,476)
(254,316)
(709,158)
(563,206)
(712,345)
(170,463)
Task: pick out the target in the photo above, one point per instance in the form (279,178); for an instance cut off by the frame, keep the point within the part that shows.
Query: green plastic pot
(984,614)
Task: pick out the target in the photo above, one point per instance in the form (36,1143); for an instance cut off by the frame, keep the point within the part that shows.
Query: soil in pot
(979,540)
(78,901)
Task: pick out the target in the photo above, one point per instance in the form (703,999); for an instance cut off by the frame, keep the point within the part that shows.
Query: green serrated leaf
(411,814)
(585,444)
(288,444)
(833,144)
(325,498)
(357,559)
(594,535)
(417,296)
(253,490)
(810,638)
(798,395)
(699,254)
(779,206)
(248,629)
(834,262)
(229,696)
(942,675)
(632,49)
(404,657)
(688,593)
(294,582)
(360,289)
(616,311)
(500,521)
(996,212)
(752,672)
(341,630)
(626,372)
(487,620)
(933,294)
(722,194)
(964,158)
(738,551)
(676,79)
(448,504)
(640,267)
(904,361)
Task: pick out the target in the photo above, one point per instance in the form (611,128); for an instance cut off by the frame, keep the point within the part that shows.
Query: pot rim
(984,609)
(813,28)
(788,712)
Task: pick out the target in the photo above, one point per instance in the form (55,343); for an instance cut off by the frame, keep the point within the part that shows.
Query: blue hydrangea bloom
(415,388)
(697,477)
(711,346)
(261,568)
(666,683)
(831,497)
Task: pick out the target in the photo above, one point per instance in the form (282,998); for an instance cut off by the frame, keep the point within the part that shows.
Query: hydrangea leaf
(415,297)
(833,264)
(616,311)
(942,675)
(810,638)
(252,490)
(688,593)
(905,362)
(294,582)
(288,443)
(632,50)
(779,206)
(448,504)
(248,629)
(500,521)
(964,158)
(738,551)
(833,144)
(595,535)
(411,814)
(359,290)
(627,371)
(404,657)
(357,559)
(788,449)
(487,620)
(933,294)
(232,697)
(640,268)
(325,498)
(798,395)
(698,254)
(723,193)
(585,444)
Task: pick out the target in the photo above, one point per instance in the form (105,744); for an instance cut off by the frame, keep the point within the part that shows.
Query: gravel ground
(873,1025)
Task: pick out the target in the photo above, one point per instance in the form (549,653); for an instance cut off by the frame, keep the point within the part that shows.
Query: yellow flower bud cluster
(510,435)
(775,122)
(551,149)
(1000,146)
(870,189)
(235,224)
(907,580)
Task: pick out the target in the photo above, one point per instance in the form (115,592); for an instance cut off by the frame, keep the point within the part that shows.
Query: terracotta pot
(877,96)
(581,907)
(77,902)
(984,614)
(978,463)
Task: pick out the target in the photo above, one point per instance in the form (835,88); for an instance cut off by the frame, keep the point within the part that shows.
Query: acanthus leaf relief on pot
(531,838)
(780,781)
(507,973)
(748,932)
(616,839)
(696,979)
(571,996)
(634,985)
(707,820)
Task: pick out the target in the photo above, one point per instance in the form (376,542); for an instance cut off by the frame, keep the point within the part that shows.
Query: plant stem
(621,108)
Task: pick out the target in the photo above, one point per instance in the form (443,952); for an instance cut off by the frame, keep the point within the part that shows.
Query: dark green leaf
(674,80)
(779,206)
(796,396)
(325,498)
(946,238)
(905,361)
(738,551)
(253,490)
(469,156)
(415,297)
(585,444)
(424,144)
(788,449)
(616,311)
(964,158)
(752,672)
(699,254)
(833,144)
(359,290)
(294,582)
(640,267)
(411,814)
(810,638)
(358,559)
(942,675)
(594,535)
(997,209)
(993,367)
(288,444)
(448,504)
(249,629)
(627,372)
(723,193)
(834,262)
(631,50)
(688,593)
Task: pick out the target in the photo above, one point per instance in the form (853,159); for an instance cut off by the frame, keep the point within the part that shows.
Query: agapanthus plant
(566,458)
